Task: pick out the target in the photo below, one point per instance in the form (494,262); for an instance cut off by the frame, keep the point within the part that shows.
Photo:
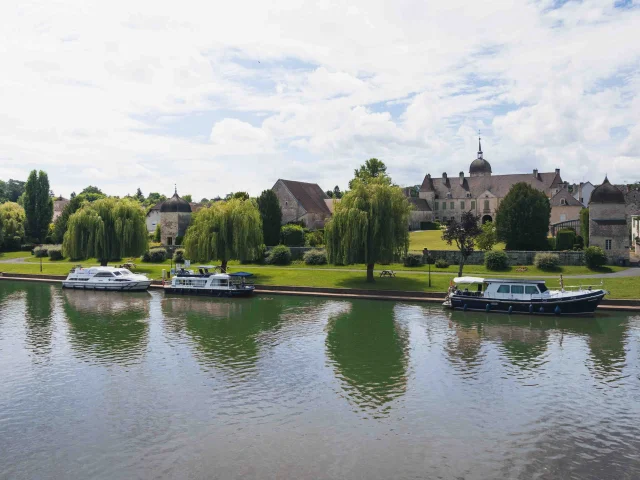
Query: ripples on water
(108,385)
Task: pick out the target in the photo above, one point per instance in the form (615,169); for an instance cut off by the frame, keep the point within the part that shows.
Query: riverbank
(632,305)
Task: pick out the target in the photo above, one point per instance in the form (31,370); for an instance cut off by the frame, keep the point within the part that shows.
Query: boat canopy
(468,280)
(207,266)
(241,274)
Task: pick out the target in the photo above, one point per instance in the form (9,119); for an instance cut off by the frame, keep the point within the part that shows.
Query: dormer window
(563,201)
(449,195)
(468,194)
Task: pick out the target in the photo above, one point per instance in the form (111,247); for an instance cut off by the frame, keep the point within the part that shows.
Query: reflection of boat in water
(207,282)
(105,278)
(521,296)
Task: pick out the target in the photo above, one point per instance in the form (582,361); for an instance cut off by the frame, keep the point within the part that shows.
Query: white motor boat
(207,282)
(106,278)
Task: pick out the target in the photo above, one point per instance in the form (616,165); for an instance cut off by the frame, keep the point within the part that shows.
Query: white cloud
(108,93)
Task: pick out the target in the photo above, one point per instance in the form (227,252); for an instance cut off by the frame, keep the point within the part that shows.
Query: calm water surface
(108,385)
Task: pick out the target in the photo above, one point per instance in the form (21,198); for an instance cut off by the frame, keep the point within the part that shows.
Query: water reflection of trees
(226,332)
(369,352)
(110,326)
(38,318)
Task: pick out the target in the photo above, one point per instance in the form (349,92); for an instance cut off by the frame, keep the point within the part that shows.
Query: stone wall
(617,233)
(291,209)
(515,257)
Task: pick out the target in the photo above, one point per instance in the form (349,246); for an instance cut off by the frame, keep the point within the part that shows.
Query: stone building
(420,213)
(175,217)
(480,192)
(608,227)
(564,207)
(58,206)
(153,217)
(301,201)
(635,233)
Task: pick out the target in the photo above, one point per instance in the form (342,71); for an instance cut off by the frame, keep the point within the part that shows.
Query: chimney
(461,178)
(444,177)
(535,172)
(557,171)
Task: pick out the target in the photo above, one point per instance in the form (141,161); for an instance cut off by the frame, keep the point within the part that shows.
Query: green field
(432,239)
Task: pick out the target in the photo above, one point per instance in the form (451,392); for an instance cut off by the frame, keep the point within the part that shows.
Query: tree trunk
(103,263)
(223,266)
(370,278)
(461,265)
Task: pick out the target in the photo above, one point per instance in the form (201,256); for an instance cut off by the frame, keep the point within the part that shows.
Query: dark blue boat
(209,283)
(520,296)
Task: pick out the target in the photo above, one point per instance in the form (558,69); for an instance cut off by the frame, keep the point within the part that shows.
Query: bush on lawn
(279,255)
(429,225)
(594,257)
(155,255)
(178,255)
(442,263)
(314,239)
(412,260)
(41,251)
(55,252)
(315,257)
(496,261)
(546,261)
(27,247)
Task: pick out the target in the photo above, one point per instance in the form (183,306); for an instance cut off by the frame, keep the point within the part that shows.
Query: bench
(387,273)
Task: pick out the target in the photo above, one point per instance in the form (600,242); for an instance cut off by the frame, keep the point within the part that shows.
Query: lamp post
(41,258)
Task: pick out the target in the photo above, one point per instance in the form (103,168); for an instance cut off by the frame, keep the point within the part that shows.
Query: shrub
(55,252)
(155,255)
(546,261)
(178,255)
(158,233)
(279,255)
(412,260)
(565,239)
(292,235)
(315,257)
(12,244)
(429,225)
(441,263)
(594,257)
(496,260)
(41,251)
(314,239)
(179,239)
(579,242)
(27,247)
(552,243)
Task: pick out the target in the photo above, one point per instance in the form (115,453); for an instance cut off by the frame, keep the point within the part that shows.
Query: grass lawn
(12,255)
(432,239)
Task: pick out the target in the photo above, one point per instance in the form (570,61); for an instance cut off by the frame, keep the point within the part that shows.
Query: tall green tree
(369,225)
(38,206)
(13,219)
(139,196)
(107,229)
(230,230)
(522,219)
(372,168)
(271,215)
(61,223)
(463,234)
(584,225)
(488,237)
(187,198)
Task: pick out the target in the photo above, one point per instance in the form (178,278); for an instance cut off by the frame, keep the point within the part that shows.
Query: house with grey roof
(565,207)
(480,192)
(302,201)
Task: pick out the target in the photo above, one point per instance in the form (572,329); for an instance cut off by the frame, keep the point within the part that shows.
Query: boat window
(104,274)
(503,289)
(517,289)
(542,287)
(531,290)
(116,273)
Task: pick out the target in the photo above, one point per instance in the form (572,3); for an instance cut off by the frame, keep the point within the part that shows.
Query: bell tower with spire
(479,167)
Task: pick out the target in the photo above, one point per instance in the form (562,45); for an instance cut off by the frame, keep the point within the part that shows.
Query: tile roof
(419,204)
(570,201)
(498,185)
(310,195)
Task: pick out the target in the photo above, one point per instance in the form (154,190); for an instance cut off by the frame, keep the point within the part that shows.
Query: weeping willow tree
(230,230)
(106,229)
(369,225)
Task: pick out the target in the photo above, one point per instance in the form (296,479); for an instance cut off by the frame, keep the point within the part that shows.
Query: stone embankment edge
(632,305)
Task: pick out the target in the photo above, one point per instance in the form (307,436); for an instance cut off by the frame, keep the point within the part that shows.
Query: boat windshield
(542,287)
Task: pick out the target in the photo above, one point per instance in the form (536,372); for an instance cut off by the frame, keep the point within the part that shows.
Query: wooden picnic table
(387,273)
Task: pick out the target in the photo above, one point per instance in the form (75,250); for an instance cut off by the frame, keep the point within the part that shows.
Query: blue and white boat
(207,282)
(521,296)
(106,278)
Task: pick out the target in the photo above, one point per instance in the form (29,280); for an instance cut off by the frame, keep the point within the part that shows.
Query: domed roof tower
(479,167)
(607,193)
(175,205)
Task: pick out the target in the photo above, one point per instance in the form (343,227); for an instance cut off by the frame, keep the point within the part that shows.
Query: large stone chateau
(445,198)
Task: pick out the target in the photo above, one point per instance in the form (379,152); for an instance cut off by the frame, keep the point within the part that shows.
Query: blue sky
(227,97)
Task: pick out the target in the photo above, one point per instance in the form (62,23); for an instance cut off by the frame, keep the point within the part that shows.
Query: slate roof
(310,196)
(606,193)
(419,204)
(570,201)
(498,185)
(175,204)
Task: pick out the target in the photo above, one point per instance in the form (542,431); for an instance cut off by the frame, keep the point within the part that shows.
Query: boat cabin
(517,289)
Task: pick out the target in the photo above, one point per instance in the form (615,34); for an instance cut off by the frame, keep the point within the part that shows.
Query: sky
(217,97)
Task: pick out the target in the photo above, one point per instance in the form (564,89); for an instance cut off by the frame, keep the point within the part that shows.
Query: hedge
(594,257)
(315,257)
(546,261)
(496,260)
(292,235)
(412,260)
(565,239)
(279,255)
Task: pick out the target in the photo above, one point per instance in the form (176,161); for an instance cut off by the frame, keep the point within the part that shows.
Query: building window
(607,244)
(473,204)
(452,205)
(444,205)
(286,204)
(563,217)
(462,205)
(437,205)
(563,201)
(169,241)
(486,204)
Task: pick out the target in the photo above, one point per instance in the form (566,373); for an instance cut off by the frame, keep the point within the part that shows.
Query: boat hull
(108,286)
(579,305)
(208,292)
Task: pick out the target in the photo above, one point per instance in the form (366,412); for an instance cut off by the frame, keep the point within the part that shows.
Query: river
(109,385)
